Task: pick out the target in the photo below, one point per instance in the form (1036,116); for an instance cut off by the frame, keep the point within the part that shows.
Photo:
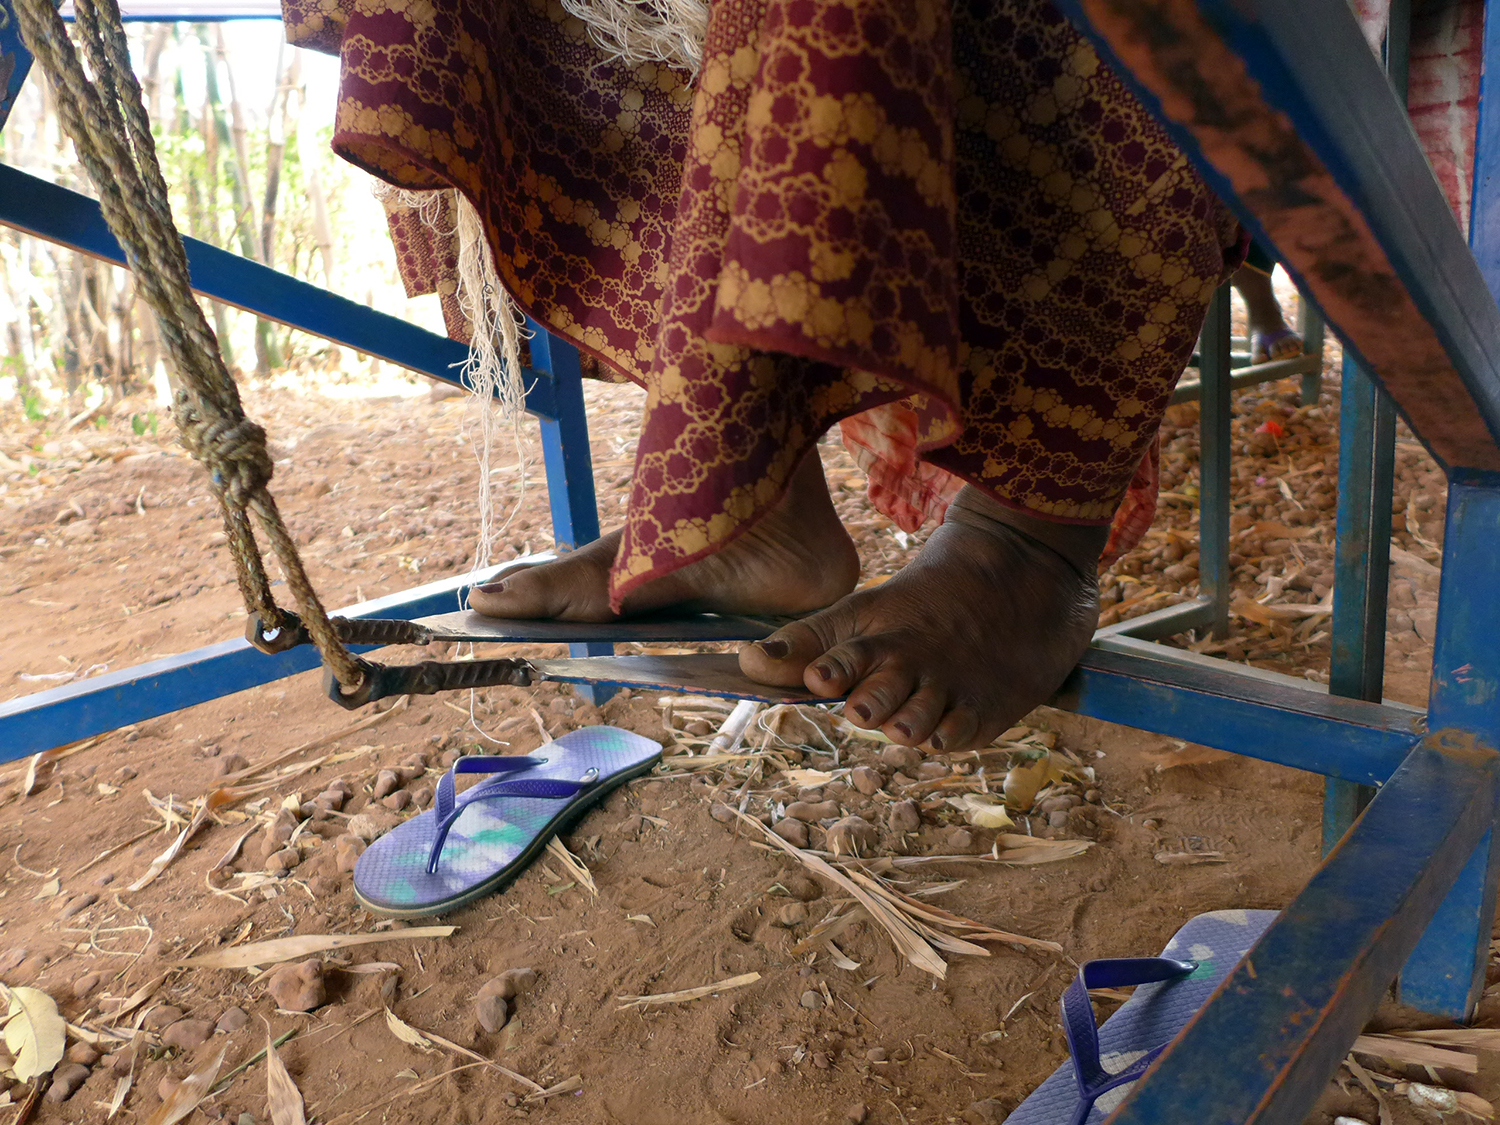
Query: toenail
(776,650)
(491,587)
(904,729)
(862,711)
(824,672)
(937,741)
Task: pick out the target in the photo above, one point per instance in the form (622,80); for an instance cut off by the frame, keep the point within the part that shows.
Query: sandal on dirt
(1108,1059)
(474,843)
(1283,343)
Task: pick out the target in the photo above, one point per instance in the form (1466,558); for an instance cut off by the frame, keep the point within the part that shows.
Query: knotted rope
(106,119)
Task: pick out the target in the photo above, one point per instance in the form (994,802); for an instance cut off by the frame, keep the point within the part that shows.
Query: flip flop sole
(494,841)
(1153,1015)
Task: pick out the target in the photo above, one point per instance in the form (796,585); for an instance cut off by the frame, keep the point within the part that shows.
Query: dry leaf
(206,805)
(1411,1052)
(686,994)
(293,948)
(122,1090)
(192,1090)
(1189,859)
(580,873)
(283,1099)
(35,1033)
(405,1032)
(566,1086)
(1024,780)
(981,811)
(1186,754)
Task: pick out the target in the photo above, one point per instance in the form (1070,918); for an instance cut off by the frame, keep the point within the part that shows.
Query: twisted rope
(106,119)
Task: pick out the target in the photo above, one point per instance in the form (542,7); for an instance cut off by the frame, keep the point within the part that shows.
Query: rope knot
(233,450)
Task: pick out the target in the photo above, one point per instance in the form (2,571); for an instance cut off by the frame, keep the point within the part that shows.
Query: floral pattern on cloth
(952,219)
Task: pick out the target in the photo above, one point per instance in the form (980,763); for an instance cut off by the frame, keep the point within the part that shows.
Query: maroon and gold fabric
(943,220)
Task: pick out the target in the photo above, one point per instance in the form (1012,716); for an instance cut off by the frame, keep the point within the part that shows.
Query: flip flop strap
(446,797)
(554,788)
(1083,1031)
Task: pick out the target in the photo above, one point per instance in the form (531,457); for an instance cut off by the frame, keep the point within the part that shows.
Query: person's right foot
(981,627)
(797,559)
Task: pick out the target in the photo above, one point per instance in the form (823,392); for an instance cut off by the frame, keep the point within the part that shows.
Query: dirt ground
(110,555)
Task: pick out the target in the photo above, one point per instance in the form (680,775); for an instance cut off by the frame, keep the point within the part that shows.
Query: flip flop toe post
(474,843)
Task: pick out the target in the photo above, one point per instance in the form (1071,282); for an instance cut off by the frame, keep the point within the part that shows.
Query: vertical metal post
(1213,461)
(1362,558)
(1310,328)
(1445,974)
(1362,552)
(570,467)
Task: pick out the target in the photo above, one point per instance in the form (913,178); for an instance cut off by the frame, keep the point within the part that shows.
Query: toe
(782,658)
(914,721)
(958,730)
(878,695)
(569,589)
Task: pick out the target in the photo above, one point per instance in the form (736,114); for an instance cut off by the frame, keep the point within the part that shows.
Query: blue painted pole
(1445,975)
(1362,556)
(1213,462)
(570,467)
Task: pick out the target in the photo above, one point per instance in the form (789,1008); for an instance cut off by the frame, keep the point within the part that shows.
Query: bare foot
(982,626)
(798,558)
(1270,338)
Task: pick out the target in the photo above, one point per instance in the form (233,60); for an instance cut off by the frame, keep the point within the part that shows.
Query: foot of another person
(1270,338)
(798,558)
(981,627)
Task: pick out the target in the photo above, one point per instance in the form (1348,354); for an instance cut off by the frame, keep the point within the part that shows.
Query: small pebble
(187,1034)
(810,793)
(298,988)
(509,984)
(126,773)
(493,1013)
(904,758)
(931,771)
(347,850)
(1058,804)
(85,984)
(230,763)
(794,832)
(162,1016)
(1093,796)
(386,783)
(65,1081)
(905,816)
(960,840)
(877,1054)
(1058,819)
(246,1119)
(283,861)
(792,914)
(852,835)
(78,904)
(857,1113)
(812,811)
(81,1052)
(421,796)
(822,1060)
(1098,886)
(105,880)
(990,1111)
(722,813)
(232,1020)
(371,826)
(868,781)
(1151,824)
(120,1061)
(396,801)
(812,998)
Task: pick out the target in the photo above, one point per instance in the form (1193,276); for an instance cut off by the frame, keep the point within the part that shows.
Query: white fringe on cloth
(497,395)
(669,32)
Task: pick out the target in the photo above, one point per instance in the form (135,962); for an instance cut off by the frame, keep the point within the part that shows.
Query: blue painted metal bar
(1310,327)
(15,61)
(570,469)
(1309,730)
(104,703)
(1362,555)
(70,219)
(1298,145)
(1168,622)
(1213,463)
(1484,208)
(1446,974)
(1291,1009)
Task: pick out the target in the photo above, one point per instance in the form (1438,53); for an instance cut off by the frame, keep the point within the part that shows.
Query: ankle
(1078,545)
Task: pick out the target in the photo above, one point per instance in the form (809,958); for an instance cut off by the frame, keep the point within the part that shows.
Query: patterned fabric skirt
(943,223)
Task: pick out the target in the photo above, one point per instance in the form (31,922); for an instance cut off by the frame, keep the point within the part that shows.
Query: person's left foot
(981,627)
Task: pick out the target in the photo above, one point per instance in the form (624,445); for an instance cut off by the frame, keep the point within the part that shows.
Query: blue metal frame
(1413,881)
